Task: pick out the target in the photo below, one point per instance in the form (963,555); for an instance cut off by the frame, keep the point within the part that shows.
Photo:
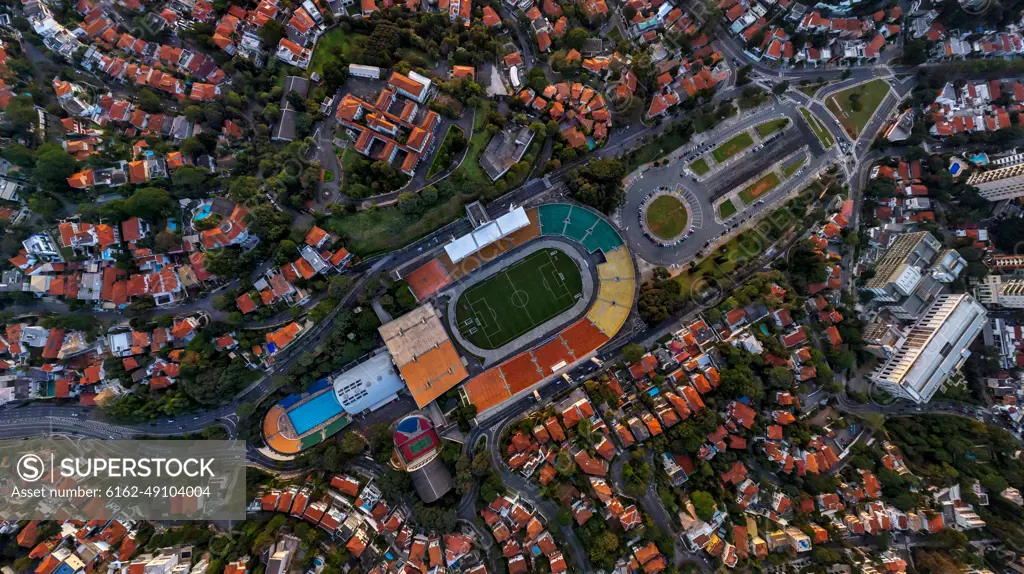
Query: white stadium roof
(487,234)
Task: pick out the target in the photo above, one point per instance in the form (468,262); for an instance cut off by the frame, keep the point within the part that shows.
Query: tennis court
(517,299)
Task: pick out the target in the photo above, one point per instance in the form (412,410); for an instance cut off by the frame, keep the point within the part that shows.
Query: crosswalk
(696,212)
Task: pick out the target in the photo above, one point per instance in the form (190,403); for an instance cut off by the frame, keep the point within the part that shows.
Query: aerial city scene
(510,286)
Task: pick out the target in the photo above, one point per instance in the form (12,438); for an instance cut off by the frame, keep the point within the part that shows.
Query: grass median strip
(726,209)
(792,168)
(759,188)
(732,147)
(771,127)
(819,129)
(700,167)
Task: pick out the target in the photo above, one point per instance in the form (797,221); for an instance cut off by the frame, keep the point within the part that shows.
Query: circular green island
(666,217)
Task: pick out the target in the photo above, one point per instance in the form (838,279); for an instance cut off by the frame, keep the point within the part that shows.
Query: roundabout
(665,216)
(652,225)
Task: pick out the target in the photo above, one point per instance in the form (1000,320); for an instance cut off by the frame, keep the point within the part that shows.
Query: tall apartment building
(935,348)
(912,272)
(1004,182)
(1001,291)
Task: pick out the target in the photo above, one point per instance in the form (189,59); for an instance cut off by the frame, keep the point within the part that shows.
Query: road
(700,196)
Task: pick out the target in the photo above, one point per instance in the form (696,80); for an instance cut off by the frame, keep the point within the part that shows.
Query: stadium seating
(520,372)
(619,292)
(615,292)
(609,318)
(580,222)
(603,237)
(552,218)
(618,264)
(552,353)
(428,279)
(583,337)
(272,432)
(487,389)
(521,236)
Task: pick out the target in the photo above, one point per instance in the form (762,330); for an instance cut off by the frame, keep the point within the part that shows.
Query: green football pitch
(504,306)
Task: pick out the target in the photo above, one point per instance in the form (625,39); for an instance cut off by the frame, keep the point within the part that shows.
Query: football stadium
(543,288)
(528,295)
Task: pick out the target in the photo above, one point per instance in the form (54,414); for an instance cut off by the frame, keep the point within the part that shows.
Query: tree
(21,114)
(576,38)
(1009,235)
(703,504)
(409,202)
(272,32)
(632,353)
(599,184)
(245,410)
(780,377)
(781,87)
(53,167)
(189,179)
(148,203)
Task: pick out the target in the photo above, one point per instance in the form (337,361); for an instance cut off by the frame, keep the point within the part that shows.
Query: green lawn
(514,301)
(810,89)
(716,268)
(666,217)
(726,209)
(656,149)
(738,143)
(328,176)
(870,96)
(759,188)
(322,54)
(700,167)
(471,165)
(480,119)
(771,127)
(819,129)
(789,170)
(382,229)
(435,166)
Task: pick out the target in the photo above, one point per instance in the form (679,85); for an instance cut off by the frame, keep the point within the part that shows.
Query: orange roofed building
(425,356)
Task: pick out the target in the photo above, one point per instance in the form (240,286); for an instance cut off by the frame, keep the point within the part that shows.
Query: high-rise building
(911,272)
(935,348)
(997,290)
(1004,182)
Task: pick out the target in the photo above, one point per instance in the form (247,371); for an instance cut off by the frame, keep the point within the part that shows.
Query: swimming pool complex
(315,412)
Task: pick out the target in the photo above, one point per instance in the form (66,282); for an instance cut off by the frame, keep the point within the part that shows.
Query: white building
(913,270)
(935,348)
(1000,183)
(999,291)
(361,71)
(369,385)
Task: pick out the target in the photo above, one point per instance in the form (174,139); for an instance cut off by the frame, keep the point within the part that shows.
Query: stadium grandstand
(609,312)
(467,253)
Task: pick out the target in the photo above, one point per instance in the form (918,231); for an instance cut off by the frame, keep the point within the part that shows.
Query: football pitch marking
(487,309)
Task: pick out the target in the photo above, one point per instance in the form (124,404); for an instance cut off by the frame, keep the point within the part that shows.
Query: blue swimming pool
(315,412)
(203,213)
(954,169)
